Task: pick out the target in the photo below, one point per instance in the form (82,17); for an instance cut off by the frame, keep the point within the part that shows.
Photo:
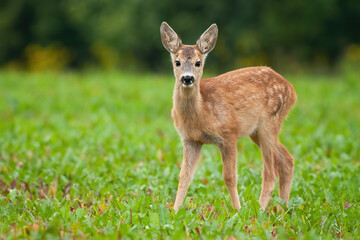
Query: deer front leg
(229,153)
(191,152)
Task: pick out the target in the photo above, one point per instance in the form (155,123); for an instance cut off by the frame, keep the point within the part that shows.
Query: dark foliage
(276,33)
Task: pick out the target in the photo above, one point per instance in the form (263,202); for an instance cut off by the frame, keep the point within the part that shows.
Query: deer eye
(197,64)
(177,63)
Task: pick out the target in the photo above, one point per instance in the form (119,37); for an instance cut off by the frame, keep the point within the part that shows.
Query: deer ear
(169,38)
(207,41)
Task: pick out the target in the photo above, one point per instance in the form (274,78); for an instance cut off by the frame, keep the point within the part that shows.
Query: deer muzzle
(187,81)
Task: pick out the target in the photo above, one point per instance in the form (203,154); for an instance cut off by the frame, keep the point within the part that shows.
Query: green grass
(96,155)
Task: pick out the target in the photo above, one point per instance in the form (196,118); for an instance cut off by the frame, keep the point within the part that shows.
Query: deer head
(188,60)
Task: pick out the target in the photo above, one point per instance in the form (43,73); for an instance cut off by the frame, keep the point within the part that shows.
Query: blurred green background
(38,35)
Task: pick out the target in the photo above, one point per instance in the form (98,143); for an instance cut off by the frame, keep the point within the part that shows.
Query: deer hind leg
(229,153)
(267,142)
(191,153)
(285,164)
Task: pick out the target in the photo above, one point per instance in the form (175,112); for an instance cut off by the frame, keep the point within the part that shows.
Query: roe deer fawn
(252,102)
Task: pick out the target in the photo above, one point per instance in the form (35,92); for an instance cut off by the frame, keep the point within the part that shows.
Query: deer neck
(187,101)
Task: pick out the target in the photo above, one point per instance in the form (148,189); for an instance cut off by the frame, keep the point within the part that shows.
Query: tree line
(39,34)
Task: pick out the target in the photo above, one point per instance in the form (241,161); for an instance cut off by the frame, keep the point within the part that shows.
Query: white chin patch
(188,86)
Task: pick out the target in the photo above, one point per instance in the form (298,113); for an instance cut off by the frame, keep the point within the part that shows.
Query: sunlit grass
(96,154)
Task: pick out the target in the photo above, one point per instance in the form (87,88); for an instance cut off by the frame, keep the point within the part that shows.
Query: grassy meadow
(95,154)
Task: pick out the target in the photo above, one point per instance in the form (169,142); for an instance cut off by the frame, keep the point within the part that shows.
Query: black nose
(187,80)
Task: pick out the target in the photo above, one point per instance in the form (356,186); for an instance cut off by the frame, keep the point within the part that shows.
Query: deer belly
(199,136)
(208,138)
